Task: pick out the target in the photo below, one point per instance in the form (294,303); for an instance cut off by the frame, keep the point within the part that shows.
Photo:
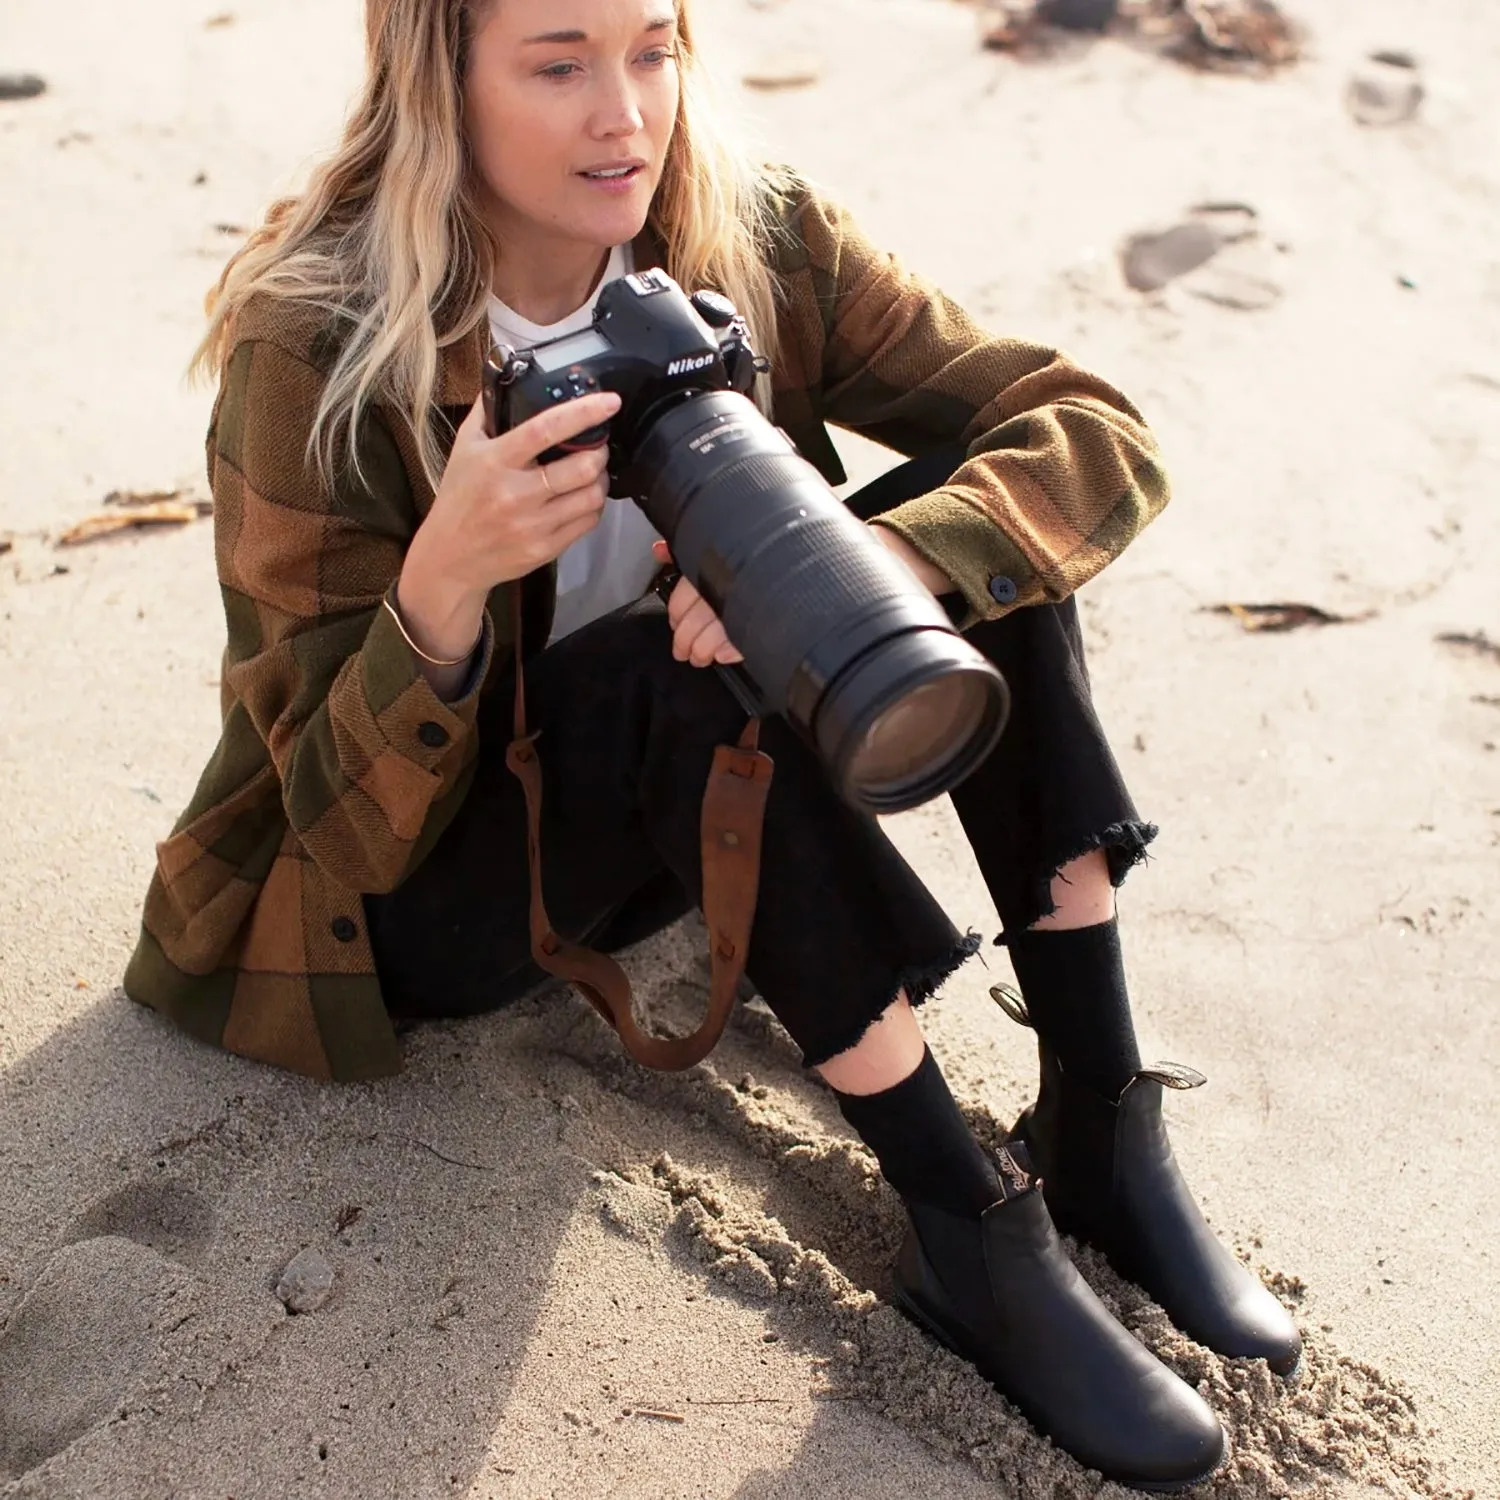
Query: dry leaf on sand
(1264,618)
(1476,643)
(783,70)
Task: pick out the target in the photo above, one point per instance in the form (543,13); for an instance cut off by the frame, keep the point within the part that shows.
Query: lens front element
(911,720)
(915,740)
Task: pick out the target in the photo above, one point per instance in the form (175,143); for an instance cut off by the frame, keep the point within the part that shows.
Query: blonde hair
(388,237)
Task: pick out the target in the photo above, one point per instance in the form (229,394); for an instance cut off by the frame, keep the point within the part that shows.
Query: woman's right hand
(498,515)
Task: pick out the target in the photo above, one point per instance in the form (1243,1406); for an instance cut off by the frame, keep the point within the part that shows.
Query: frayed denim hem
(1125,846)
(919,981)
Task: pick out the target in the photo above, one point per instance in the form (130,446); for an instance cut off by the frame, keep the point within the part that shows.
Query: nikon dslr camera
(837,635)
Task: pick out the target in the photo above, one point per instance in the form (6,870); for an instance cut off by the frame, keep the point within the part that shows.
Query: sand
(558,1275)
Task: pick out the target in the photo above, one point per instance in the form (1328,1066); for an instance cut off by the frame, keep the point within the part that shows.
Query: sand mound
(1343,1429)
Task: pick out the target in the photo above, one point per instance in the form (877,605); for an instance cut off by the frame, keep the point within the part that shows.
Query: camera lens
(909,720)
(837,635)
(924,743)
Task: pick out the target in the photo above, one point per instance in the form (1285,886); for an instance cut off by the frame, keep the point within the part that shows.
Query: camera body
(648,343)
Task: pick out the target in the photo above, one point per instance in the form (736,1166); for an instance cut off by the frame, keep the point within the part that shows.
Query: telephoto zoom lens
(838,636)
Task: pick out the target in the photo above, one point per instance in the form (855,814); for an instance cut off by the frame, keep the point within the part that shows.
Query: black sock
(925,1149)
(1074,987)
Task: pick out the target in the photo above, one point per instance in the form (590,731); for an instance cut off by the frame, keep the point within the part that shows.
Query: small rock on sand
(306,1283)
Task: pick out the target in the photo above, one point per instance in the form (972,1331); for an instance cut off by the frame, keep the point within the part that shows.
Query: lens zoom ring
(802,580)
(757,473)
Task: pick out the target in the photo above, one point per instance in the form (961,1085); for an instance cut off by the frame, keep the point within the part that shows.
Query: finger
(684,597)
(533,437)
(698,619)
(728,654)
(565,536)
(475,426)
(566,509)
(476,417)
(661,552)
(707,646)
(574,472)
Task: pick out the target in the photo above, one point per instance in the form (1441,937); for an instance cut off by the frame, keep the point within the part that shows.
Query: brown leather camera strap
(733,813)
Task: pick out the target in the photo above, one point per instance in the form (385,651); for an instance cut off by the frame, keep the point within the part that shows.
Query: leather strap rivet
(731,838)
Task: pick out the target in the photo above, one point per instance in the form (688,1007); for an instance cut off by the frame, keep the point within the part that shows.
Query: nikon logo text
(685,366)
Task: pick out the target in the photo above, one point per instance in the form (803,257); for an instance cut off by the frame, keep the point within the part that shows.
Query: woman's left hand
(697,633)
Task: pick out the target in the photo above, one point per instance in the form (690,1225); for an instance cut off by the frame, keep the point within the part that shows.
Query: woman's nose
(618,111)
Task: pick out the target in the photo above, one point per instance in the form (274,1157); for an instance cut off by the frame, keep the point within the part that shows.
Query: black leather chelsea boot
(1111,1180)
(1001,1292)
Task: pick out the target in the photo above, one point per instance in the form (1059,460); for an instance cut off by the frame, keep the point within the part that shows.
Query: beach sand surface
(554,1274)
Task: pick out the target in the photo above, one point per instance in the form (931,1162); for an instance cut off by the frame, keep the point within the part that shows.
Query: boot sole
(913,1311)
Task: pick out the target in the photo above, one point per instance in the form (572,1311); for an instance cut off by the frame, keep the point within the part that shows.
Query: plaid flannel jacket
(338,767)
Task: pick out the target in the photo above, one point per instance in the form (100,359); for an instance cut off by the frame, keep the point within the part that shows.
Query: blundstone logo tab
(695,362)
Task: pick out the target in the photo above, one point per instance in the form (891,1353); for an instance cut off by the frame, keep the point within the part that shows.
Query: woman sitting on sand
(355,855)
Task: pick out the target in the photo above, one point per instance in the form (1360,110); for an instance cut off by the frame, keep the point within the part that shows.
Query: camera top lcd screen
(570,351)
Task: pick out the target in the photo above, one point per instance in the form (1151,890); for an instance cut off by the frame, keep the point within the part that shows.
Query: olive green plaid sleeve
(362,744)
(1062,472)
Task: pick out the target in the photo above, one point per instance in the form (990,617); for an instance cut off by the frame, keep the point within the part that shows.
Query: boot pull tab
(1172,1076)
(1016,1173)
(1010,1001)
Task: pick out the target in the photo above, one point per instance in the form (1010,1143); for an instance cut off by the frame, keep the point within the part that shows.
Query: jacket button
(1003,590)
(344,929)
(434,736)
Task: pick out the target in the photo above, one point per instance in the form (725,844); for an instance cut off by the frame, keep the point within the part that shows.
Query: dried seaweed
(1234,35)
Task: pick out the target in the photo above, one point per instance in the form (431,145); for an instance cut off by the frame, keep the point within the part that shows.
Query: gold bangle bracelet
(433,661)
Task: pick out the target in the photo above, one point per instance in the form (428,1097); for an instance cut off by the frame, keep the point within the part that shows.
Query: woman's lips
(621,183)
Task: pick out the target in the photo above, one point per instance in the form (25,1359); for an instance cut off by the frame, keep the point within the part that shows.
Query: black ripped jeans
(842,923)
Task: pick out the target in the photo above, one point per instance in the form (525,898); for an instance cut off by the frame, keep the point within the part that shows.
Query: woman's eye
(657,56)
(560,70)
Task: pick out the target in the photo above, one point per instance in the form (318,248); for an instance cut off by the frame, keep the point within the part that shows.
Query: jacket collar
(461,363)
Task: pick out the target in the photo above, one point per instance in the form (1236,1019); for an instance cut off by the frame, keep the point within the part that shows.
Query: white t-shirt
(613,564)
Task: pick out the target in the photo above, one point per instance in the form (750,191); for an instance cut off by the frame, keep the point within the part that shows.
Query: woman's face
(570,106)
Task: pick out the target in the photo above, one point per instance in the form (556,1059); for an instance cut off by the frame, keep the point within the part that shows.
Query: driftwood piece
(129,510)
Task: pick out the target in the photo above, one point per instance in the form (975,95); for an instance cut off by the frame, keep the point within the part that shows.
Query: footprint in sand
(87,1333)
(166,1216)
(1217,253)
(84,1336)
